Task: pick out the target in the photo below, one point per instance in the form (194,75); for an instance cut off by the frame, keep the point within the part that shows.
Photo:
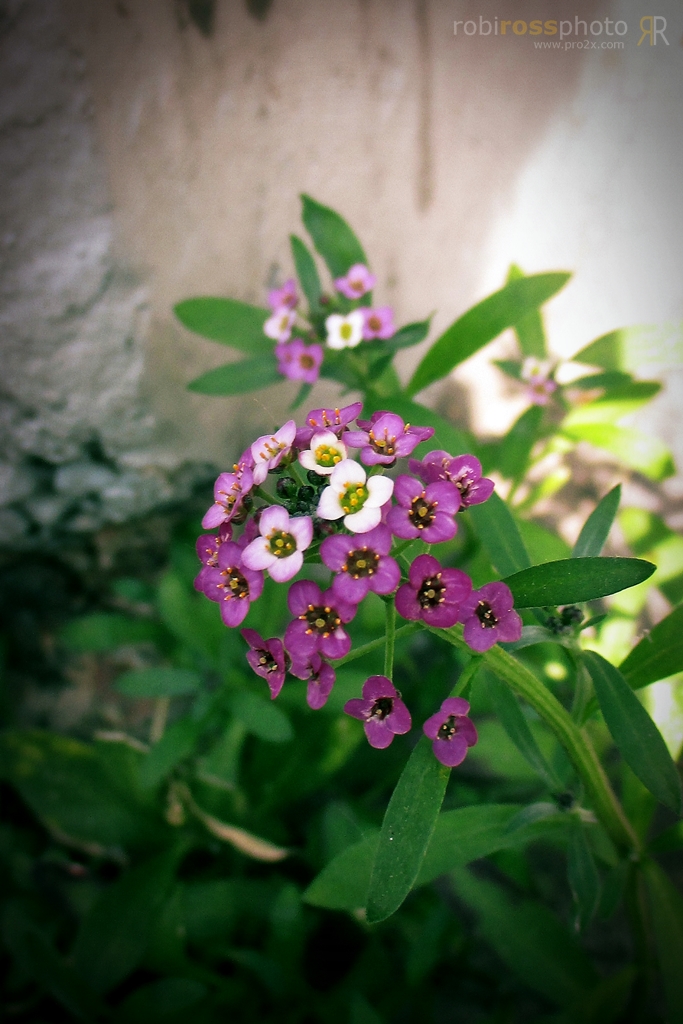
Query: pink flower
(207,551)
(452,732)
(232,584)
(540,384)
(464,471)
(320,675)
(281,544)
(381,710)
(432,593)
(356,282)
(228,492)
(426,512)
(268,659)
(279,325)
(285,297)
(379,323)
(317,626)
(488,616)
(385,438)
(299,361)
(269,449)
(336,420)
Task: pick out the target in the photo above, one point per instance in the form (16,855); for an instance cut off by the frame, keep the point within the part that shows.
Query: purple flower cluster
(349,518)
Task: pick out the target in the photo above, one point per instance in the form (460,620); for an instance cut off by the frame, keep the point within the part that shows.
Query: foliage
(224,854)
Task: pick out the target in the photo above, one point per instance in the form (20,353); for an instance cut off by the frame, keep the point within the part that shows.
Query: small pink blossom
(451,731)
(299,361)
(285,297)
(269,450)
(356,282)
(336,420)
(379,323)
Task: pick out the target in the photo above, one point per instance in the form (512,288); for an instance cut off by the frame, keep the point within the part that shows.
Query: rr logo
(653,26)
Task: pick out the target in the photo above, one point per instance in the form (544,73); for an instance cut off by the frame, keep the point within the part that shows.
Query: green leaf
(460,836)
(482,324)
(666,906)
(542,544)
(511,367)
(106,632)
(507,710)
(573,580)
(446,436)
(306,271)
(529,939)
(647,455)
(646,349)
(162,1000)
(410,334)
(38,958)
(658,655)
(158,682)
(406,830)
(226,320)
(178,742)
(260,717)
(497,530)
(635,734)
(530,332)
(515,449)
(619,401)
(584,879)
(67,784)
(115,933)
(332,237)
(237,378)
(668,841)
(190,617)
(596,529)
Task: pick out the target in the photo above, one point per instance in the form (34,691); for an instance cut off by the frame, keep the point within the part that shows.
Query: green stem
(389,638)
(576,743)
(359,652)
(267,497)
(466,676)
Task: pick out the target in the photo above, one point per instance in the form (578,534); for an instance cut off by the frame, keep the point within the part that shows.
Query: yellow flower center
(353,498)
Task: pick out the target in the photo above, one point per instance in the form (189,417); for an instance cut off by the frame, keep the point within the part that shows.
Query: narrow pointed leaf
(530,331)
(647,455)
(406,830)
(497,530)
(332,237)
(596,529)
(572,580)
(617,402)
(507,710)
(515,449)
(226,320)
(482,324)
(635,734)
(306,271)
(261,717)
(584,879)
(237,378)
(645,349)
(666,906)
(177,743)
(410,334)
(658,655)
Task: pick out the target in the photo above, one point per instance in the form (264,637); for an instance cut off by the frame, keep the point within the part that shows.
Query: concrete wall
(146,160)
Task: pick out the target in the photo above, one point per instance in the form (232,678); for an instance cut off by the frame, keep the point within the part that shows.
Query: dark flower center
(449,728)
(308,362)
(382,445)
(432,592)
(374,323)
(422,513)
(266,661)
(360,563)
(235,584)
(464,483)
(281,544)
(382,707)
(321,619)
(486,615)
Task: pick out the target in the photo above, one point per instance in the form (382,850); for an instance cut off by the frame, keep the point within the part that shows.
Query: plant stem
(466,676)
(359,652)
(389,639)
(575,742)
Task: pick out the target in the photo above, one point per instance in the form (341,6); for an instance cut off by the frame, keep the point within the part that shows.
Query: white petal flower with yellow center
(345,331)
(355,497)
(326,452)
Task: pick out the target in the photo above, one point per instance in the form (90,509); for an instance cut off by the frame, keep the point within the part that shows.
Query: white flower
(281,545)
(535,370)
(326,452)
(353,496)
(279,325)
(345,331)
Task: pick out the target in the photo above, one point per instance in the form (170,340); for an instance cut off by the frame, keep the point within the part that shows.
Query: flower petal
(380,489)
